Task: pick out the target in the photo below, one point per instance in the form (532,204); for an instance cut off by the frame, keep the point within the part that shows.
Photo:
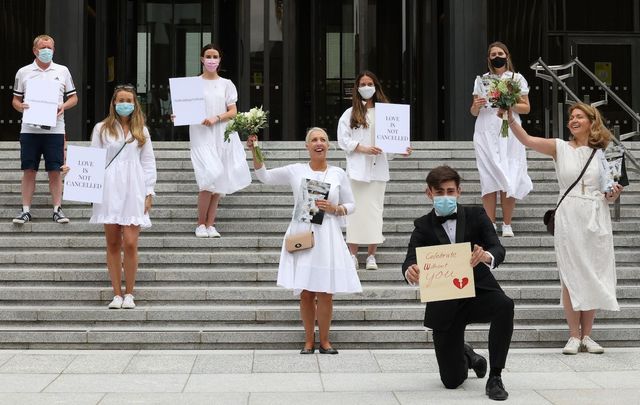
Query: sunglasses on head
(127,86)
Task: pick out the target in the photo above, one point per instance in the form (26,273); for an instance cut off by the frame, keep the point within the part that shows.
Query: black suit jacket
(473,225)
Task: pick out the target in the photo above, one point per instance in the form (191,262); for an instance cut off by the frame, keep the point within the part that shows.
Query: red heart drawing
(459,284)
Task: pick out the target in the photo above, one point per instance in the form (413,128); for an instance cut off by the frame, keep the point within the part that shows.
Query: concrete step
(286,337)
(264,292)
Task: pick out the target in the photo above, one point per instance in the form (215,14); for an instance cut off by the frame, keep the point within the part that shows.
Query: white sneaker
(591,346)
(507,232)
(201,231)
(212,232)
(128,302)
(572,346)
(355,261)
(371,263)
(116,303)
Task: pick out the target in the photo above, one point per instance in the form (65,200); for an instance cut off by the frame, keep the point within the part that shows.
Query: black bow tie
(442,220)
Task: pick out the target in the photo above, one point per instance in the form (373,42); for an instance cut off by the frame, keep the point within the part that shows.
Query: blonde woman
(583,236)
(326,269)
(130,178)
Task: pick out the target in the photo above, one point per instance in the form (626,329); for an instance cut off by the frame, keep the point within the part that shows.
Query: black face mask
(498,62)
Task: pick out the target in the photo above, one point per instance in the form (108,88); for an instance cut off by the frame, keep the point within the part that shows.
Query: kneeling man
(450,222)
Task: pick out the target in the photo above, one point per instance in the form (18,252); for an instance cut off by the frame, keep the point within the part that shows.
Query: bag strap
(584,169)
(116,155)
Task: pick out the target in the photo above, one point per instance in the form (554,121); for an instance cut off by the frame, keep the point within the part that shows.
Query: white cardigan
(360,166)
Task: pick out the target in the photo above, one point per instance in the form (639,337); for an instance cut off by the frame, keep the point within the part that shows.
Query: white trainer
(355,261)
(572,346)
(128,302)
(371,263)
(507,231)
(116,303)
(201,231)
(212,232)
(591,346)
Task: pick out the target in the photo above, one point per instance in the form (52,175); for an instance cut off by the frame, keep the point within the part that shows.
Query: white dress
(502,162)
(127,181)
(327,267)
(220,167)
(583,236)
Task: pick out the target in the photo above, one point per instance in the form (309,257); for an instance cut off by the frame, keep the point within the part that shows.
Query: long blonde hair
(136,121)
(599,136)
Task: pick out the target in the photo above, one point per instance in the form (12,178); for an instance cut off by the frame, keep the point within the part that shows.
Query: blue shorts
(33,146)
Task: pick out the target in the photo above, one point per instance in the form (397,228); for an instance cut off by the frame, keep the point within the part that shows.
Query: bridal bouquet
(246,124)
(503,94)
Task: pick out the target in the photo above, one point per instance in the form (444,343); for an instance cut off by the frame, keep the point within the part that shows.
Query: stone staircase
(221,293)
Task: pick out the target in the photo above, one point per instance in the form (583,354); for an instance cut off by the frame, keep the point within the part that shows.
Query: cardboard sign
(392,126)
(85,180)
(445,272)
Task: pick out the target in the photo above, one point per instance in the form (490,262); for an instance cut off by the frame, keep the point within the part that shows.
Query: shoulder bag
(550,215)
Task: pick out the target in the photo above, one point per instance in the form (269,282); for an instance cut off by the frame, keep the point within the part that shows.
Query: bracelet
(219,119)
(512,121)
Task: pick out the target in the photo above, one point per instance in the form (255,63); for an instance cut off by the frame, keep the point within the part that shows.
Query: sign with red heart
(445,272)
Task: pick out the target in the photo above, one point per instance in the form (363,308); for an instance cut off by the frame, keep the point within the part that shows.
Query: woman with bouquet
(220,167)
(502,161)
(583,237)
(317,273)
(367,166)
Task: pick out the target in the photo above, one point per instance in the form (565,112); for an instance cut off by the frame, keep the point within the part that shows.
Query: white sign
(42,97)
(393,122)
(85,180)
(187,100)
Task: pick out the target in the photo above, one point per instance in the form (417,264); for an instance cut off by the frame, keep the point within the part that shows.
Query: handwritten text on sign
(393,123)
(85,179)
(445,272)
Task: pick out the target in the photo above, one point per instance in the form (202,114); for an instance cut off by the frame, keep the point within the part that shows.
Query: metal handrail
(551,76)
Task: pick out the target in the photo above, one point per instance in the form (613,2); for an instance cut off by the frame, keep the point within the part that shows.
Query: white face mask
(366,92)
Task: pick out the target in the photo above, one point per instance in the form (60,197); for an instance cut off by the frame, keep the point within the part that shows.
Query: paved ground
(371,377)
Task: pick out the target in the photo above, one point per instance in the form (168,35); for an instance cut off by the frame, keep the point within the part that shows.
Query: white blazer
(360,166)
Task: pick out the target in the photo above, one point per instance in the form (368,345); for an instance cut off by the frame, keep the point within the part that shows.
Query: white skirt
(364,226)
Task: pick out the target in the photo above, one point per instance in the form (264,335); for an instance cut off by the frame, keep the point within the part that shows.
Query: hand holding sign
(445,272)
(85,179)
(392,127)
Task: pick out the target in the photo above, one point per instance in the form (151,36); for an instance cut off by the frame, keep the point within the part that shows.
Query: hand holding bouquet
(246,124)
(504,94)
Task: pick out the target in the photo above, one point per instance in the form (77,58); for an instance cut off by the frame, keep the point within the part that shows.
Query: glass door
(613,60)
(169,36)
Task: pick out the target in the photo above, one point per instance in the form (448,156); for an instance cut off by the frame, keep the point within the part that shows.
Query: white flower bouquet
(246,124)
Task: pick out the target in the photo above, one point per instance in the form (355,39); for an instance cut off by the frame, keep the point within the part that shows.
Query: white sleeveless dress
(583,236)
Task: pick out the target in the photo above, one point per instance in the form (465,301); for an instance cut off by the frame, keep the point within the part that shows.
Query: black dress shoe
(328,350)
(476,362)
(495,390)
(308,351)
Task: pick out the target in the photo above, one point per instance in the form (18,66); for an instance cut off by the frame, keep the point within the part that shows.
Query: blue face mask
(45,55)
(445,205)
(124,109)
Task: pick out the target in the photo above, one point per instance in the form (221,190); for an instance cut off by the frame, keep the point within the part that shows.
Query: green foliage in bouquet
(246,124)
(504,94)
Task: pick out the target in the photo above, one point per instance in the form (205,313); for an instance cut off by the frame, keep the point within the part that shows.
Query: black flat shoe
(476,362)
(308,351)
(495,389)
(328,350)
